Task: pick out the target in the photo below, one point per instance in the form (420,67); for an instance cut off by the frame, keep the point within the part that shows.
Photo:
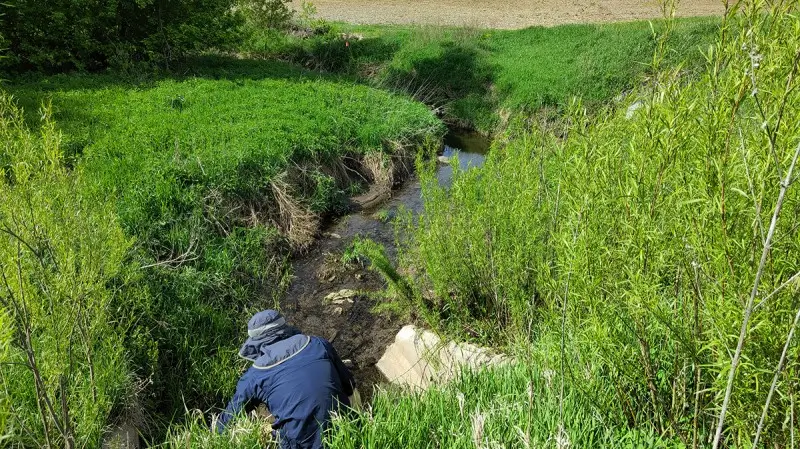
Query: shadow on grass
(449,72)
(455,72)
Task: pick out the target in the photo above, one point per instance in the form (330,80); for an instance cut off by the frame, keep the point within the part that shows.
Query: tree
(59,35)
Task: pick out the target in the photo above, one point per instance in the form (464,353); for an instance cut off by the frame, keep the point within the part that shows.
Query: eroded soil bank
(358,333)
(502,14)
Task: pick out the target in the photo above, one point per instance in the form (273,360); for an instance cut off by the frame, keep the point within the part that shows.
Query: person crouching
(300,379)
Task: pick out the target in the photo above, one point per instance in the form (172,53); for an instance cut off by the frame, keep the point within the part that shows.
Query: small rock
(359,276)
(334,235)
(332,278)
(443,159)
(341,296)
(337,311)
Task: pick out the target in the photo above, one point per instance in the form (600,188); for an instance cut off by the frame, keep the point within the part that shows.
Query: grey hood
(270,340)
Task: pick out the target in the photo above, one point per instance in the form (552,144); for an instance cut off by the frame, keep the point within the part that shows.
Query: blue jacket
(301,380)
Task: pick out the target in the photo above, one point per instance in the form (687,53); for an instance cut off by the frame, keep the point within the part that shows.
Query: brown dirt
(502,14)
(357,333)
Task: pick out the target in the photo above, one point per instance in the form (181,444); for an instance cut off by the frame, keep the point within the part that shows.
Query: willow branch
(750,302)
(778,371)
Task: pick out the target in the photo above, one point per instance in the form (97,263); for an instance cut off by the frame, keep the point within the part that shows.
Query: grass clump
(198,433)
(512,406)
(634,243)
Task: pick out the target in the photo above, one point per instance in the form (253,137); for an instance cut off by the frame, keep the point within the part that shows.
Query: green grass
(510,407)
(473,73)
(157,143)
(217,176)
(547,66)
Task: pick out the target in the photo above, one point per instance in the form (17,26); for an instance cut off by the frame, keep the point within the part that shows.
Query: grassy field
(478,77)
(216,178)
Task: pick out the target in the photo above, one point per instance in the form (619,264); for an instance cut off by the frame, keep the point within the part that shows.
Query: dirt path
(503,14)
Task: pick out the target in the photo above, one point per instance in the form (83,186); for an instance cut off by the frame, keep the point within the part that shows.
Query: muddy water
(356,332)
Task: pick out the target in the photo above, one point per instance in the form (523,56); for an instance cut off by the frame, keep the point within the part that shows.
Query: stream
(348,322)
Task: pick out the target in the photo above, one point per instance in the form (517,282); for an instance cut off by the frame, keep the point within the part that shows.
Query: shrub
(64,370)
(636,243)
(58,35)
(274,14)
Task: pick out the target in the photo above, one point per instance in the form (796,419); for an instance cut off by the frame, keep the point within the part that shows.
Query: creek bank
(350,325)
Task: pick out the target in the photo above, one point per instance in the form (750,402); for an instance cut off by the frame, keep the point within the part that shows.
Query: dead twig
(177,261)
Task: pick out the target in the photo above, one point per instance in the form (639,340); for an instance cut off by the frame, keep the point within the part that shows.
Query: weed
(383,215)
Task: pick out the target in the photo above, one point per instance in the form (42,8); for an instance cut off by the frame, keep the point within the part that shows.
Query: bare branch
(24,242)
(749,308)
(778,371)
(775,292)
(177,261)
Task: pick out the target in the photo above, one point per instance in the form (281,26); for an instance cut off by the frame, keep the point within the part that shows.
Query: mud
(356,331)
(502,14)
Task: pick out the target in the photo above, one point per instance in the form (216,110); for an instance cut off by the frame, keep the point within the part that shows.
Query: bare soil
(351,325)
(502,14)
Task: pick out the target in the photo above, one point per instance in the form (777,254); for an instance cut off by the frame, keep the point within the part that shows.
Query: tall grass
(635,243)
(198,433)
(509,407)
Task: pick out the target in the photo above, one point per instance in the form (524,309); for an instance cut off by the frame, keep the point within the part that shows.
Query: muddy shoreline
(348,321)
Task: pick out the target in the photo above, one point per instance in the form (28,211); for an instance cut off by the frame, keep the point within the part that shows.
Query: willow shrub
(62,369)
(5,350)
(644,231)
